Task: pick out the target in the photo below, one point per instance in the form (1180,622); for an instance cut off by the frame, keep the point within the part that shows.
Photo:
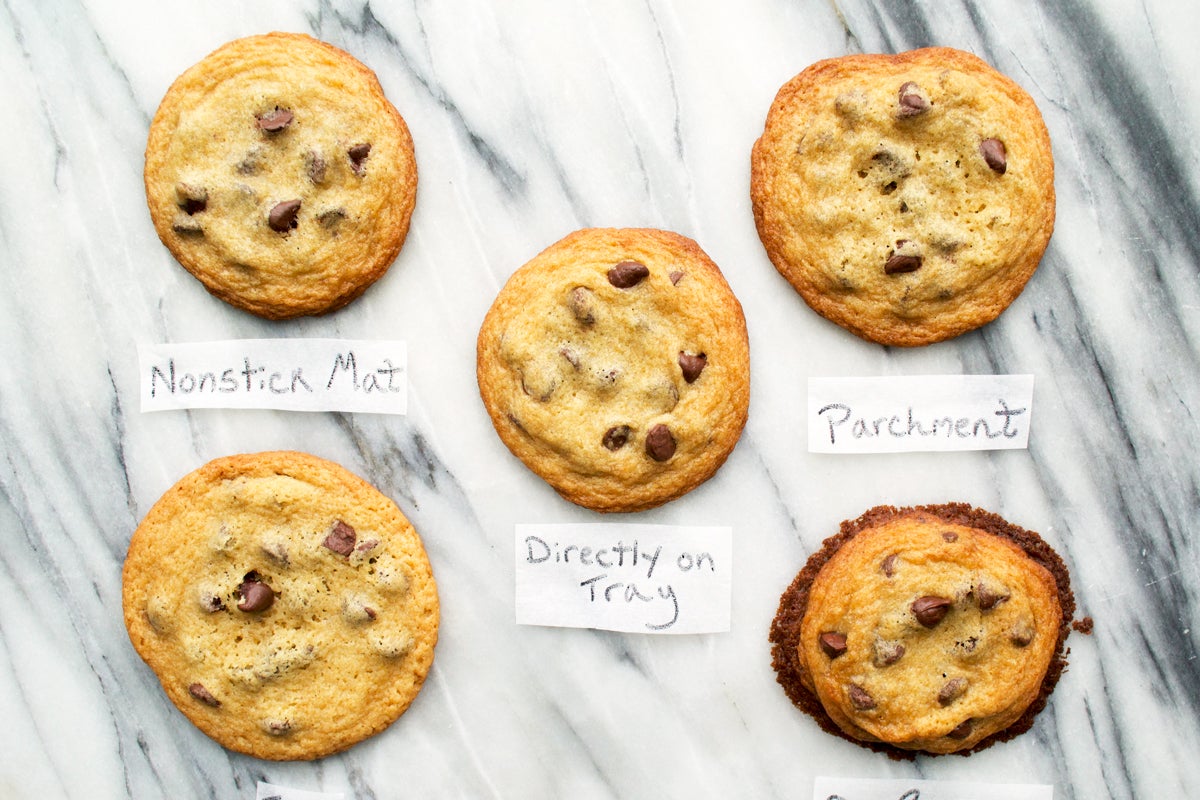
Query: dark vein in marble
(60,148)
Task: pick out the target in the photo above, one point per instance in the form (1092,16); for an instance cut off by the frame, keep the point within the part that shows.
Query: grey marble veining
(531,120)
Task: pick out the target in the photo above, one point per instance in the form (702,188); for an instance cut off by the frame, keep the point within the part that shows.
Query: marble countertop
(532,120)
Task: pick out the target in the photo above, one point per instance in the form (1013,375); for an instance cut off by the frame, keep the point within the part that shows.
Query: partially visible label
(919,413)
(287,374)
(619,577)
(871,789)
(268,791)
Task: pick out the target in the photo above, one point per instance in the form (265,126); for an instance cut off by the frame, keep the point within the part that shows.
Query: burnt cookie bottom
(785,633)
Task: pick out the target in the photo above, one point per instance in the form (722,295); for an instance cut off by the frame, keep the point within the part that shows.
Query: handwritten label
(619,577)
(288,374)
(871,789)
(919,413)
(268,791)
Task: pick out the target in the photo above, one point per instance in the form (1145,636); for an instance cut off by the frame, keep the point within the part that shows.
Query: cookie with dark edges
(946,634)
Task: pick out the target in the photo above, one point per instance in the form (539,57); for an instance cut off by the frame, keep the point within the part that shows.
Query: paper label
(919,413)
(620,577)
(268,791)
(287,374)
(871,789)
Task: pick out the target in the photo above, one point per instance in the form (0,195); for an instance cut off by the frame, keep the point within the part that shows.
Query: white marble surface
(531,120)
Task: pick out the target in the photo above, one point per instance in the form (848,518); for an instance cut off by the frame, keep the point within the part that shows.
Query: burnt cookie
(938,629)
(907,198)
(279,175)
(287,607)
(615,365)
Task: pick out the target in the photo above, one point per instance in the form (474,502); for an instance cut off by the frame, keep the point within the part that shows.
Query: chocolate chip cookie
(907,198)
(286,605)
(937,629)
(280,176)
(616,365)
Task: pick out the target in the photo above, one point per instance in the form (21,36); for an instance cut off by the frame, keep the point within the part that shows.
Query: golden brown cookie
(280,176)
(936,629)
(616,365)
(908,197)
(286,605)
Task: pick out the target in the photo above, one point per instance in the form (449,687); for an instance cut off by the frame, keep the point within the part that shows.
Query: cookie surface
(280,176)
(616,365)
(936,628)
(907,198)
(286,605)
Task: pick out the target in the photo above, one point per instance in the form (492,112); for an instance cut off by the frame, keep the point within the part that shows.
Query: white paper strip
(621,577)
(925,412)
(269,791)
(288,374)
(872,789)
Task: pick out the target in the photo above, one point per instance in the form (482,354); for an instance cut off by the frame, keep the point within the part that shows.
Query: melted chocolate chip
(358,155)
(833,643)
(962,731)
(616,438)
(275,120)
(283,216)
(660,444)
(255,595)
(911,101)
(930,610)
(627,274)
(330,218)
(989,597)
(198,691)
(580,303)
(278,727)
(949,536)
(888,565)
(341,539)
(860,698)
(211,603)
(1021,635)
(951,691)
(898,264)
(192,199)
(995,155)
(887,653)
(675,276)
(692,365)
(315,166)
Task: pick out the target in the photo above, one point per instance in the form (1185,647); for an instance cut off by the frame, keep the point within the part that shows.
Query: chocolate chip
(951,691)
(315,166)
(660,444)
(930,610)
(358,154)
(275,120)
(368,545)
(330,218)
(675,277)
(898,263)
(256,595)
(192,199)
(912,102)
(277,552)
(888,565)
(186,226)
(341,539)
(887,653)
(278,727)
(860,698)
(962,731)
(615,438)
(581,305)
(571,356)
(211,603)
(989,597)
(198,691)
(994,154)
(627,274)
(949,536)
(1021,634)
(833,643)
(283,215)
(692,365)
